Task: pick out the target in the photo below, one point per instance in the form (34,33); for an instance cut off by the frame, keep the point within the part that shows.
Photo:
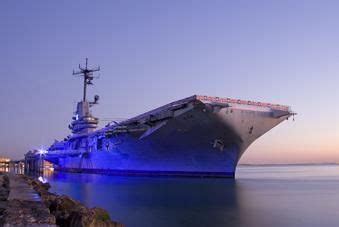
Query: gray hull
(196,136)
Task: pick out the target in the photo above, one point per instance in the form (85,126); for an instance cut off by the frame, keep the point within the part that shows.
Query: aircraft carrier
(196,136)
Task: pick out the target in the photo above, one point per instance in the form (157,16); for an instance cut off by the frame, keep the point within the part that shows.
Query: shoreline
(27,201)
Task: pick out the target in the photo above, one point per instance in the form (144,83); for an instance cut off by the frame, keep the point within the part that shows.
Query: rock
(5,181)
(102,219)
(4,187)
(4,192)
(69,212)
(24,213)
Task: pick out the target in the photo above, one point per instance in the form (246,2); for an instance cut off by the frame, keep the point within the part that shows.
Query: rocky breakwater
(69,212)
(4,192)
(25,201)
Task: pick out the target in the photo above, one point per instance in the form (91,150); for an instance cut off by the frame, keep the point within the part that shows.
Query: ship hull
(201,139)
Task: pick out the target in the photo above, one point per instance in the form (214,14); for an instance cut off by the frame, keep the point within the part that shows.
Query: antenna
(88,76)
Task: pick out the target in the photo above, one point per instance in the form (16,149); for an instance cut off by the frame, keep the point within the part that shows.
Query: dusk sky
(155,52)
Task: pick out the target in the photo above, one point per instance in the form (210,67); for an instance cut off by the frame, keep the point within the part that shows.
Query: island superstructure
(195,136)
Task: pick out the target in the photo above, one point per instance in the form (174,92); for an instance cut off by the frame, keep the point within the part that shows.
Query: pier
(35,163)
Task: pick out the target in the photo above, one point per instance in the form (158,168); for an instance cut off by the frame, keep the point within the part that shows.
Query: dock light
(42,180)
(42,151)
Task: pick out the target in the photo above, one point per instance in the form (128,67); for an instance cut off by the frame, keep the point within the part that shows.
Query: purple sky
(154,52)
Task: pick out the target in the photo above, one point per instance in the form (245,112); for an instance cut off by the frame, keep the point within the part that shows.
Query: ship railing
(243,102)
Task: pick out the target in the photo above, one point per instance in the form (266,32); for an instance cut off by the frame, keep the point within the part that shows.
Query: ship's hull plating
(201,139)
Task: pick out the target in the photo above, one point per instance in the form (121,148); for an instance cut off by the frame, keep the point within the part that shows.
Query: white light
(41,151)
(42,180)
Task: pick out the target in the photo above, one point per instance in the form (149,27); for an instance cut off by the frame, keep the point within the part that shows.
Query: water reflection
(155,201)
(289,196)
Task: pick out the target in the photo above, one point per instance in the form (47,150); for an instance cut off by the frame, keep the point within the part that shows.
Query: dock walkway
(24,206)
(20,190)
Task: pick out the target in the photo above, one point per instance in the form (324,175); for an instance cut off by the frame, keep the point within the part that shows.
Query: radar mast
(88,76)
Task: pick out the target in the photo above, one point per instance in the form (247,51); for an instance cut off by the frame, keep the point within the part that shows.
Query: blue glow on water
(259,196)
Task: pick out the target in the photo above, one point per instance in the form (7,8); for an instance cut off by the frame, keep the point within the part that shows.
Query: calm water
(259,196)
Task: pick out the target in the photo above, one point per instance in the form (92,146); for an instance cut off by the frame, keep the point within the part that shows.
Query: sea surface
(284,195)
